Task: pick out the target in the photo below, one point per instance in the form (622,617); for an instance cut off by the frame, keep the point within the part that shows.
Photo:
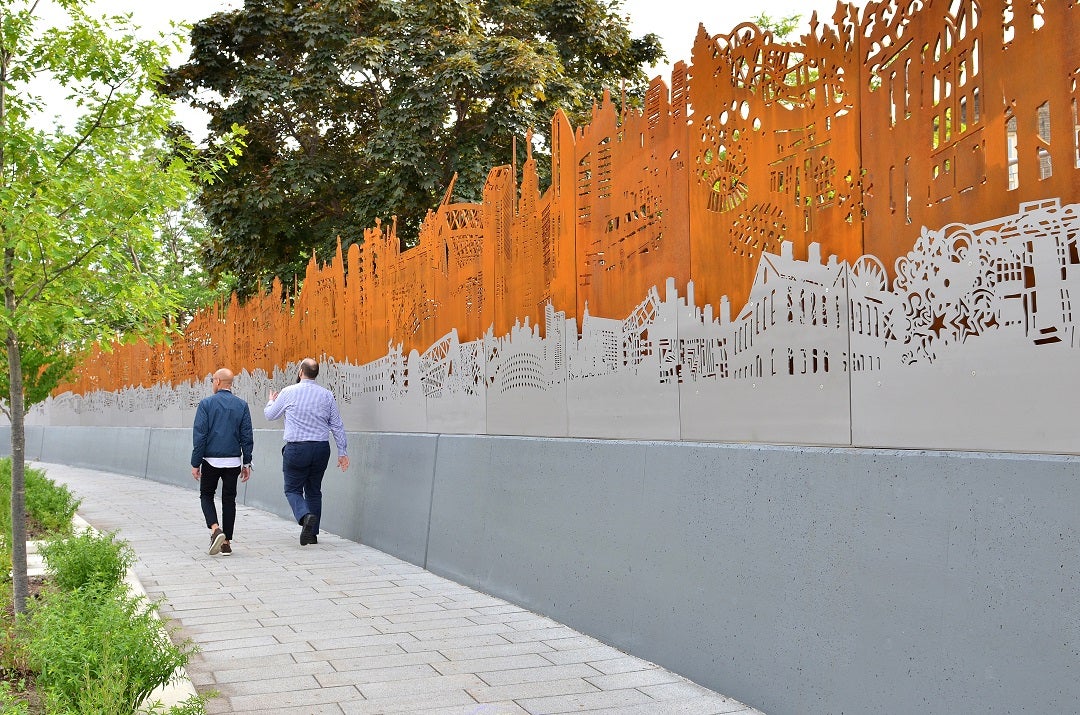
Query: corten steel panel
(630,208)
(773,154)
(954,101)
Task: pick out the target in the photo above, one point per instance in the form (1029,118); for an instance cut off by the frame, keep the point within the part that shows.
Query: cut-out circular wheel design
(869,270)
(727,182)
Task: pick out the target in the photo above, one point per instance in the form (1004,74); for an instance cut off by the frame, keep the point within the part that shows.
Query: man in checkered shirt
(311,416)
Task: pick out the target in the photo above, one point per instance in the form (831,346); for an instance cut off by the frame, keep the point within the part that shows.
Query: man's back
(311,416)
(311,413)
(223,422)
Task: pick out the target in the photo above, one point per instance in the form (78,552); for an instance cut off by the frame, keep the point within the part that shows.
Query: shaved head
(224,378)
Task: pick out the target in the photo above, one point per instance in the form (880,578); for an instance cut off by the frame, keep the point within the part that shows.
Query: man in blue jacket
(222,442)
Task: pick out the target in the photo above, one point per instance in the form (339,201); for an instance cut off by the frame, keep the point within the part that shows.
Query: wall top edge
(677,444)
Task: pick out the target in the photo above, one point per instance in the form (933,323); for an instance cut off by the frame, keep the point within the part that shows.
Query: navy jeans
(208,482)
(304,464)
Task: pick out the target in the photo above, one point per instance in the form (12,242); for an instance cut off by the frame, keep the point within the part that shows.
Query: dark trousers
(304,464)
(208,486)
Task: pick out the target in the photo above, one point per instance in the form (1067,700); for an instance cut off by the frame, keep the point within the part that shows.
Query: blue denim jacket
(222,428)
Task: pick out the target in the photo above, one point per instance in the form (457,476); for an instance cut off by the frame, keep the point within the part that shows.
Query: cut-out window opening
(959,11)
(907,190)
(1046,169)
(1076,135)
(892,189)
(907,89)
(1013,153)
(1042,116)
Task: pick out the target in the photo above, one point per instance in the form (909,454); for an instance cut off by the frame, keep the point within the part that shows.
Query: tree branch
(95,126)
(34,291)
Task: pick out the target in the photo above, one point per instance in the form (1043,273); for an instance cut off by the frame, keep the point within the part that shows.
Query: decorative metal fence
(868,236)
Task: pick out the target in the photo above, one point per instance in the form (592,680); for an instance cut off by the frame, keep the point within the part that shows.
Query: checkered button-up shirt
(311,415)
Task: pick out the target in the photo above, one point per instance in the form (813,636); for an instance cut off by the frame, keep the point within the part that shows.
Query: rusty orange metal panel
(968,108)
(773,153)
(630,212)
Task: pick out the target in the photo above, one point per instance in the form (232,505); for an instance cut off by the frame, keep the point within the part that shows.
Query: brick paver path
(341,628)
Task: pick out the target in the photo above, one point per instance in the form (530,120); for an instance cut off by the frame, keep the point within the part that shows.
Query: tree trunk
(20,580)
(18,403)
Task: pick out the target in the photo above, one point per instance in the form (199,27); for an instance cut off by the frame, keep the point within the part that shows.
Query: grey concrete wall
(799,580)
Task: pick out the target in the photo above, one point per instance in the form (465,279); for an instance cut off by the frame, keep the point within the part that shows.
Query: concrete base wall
(798,580)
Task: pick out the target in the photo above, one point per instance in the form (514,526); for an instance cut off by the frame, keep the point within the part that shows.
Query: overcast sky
(675,21)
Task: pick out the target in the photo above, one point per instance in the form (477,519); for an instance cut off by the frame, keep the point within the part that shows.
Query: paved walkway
(341,628)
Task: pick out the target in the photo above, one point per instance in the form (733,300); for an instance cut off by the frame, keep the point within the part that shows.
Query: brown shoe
(216,540)
(226,549)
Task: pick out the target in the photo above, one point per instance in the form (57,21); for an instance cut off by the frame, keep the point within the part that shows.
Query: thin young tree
(87,172)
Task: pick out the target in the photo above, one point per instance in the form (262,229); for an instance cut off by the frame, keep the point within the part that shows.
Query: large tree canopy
(365,109)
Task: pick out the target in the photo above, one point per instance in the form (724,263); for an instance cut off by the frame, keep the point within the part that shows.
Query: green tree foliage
(780,27)
(81,200)
(182,235)
(365,109)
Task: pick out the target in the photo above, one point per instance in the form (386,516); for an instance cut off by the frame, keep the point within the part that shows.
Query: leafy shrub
(49,505)
(87,559)
(98,650)
(194,705)
(89,646)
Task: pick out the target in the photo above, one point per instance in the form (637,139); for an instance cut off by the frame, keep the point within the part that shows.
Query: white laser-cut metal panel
(526,378)
(778,371)
(452,375)
(624,373)
(980,342)
(385,395)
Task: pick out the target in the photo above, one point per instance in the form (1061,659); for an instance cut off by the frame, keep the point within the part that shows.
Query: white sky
(675,21)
